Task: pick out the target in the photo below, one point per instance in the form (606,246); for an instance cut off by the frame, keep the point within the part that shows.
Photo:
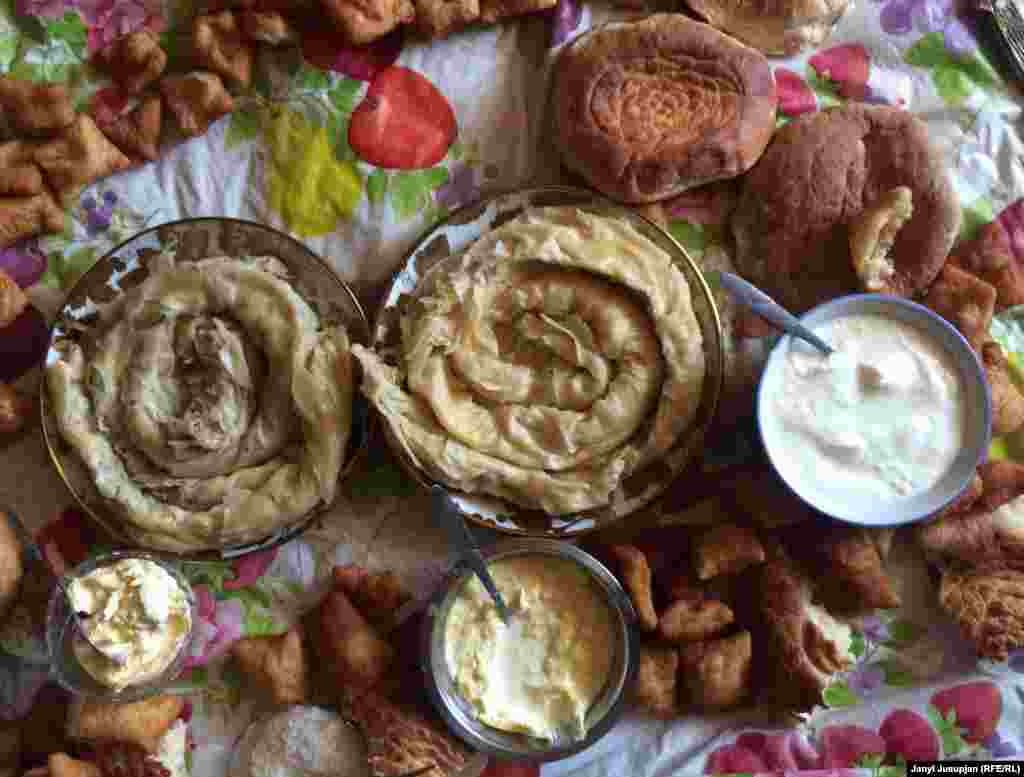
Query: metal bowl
(977,399)
(605,710)
(456,233)
(125,267)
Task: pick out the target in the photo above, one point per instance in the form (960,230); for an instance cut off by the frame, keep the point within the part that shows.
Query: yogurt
(878,422)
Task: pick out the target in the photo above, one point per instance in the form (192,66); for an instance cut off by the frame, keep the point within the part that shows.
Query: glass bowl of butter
(552,680)
(889,427)
(138,611)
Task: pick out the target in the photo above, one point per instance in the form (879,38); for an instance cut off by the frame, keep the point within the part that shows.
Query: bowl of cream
(550,682)
(886,430)
(138,612)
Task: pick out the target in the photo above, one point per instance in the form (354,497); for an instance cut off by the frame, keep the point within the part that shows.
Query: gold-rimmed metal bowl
(125,267)
(452,236)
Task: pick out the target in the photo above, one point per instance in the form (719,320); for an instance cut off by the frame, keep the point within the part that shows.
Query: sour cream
(875,423)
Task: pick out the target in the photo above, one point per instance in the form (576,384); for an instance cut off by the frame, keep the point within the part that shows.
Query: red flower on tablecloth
(68,539)
(973,708)
(909,735)
(847,66)
(795,96)
(1011,220)
(757,751)
(250,568)
(219,623)
(109,20)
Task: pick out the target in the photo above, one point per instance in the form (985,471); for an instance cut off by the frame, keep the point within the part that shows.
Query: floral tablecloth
(286,157)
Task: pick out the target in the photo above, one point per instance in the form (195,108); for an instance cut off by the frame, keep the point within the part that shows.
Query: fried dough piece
(35,108)
(276,664)
(137,134)
(63,765)
(988,603)
(82,154)
(135,60)
(872,235)
(965,501)
(22,217)
(990,257)
(966,301)
(717,674)
(377,595)
(363,21)
(726,550)
(13,300)
(656,678)
(19,173)
(221,47)
(196,99)
(804,644)
(1007,400)
(636,577)
(493,10)
(991,529)
(692,616)
(440,18)
(353,654)
(267,27)
(11,565)
(141,723)
(399,739)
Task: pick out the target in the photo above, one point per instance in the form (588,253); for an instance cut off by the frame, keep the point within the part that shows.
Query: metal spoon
(36,554)
(449,515)
(770,310)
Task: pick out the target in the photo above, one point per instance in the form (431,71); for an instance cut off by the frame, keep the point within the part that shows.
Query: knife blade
(450,517)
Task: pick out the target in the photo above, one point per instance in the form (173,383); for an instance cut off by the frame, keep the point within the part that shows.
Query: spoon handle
(770,310)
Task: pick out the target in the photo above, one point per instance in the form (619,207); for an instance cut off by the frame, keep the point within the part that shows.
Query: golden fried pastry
(19,173)
(779,27)
(267,27)
(648,109)
(350,650)
(988,603)
(135,60)
(137,133)
(656,678)
(276,665)
(965,300)
(439,18)
(363,21)
(35,108)
(717,674)
(196,100)
(377,595)
(493,10)
(636,577)
(11,565)
(221,47)
(141,723)
(692,616)
(1007,400)
(726,550)
(872,234)
(990,257)
(805,645)
(13,300)
(79,156)
(63,765)
(399,739)
(22,217)
(792,240)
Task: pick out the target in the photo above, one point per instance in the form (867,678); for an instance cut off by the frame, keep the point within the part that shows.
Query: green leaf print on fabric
(243,127)
(954,76)
(64,268)
(839,694)
(312,79)
(343,97)
(975,216)
(896,674)
(902,633)
(947,729)
(824,88)
(71,30)
(377,186)
(413,191)
(692,236)
(858,645)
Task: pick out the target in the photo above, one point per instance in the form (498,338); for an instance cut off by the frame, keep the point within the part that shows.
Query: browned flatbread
(717,674)
(645,110)
(1007,400)
(35,108)
(399,739)
(966,301)
(135,60)
(364,21)
(819,173)
(196,100)
(988,603)
(656,679)
(780,27)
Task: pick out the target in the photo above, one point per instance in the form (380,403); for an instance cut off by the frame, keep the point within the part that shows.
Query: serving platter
(453,235)
(126,266)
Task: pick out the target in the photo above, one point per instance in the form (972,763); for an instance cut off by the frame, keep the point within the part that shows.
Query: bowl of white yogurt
(890,427)
(139,612)
(554,679)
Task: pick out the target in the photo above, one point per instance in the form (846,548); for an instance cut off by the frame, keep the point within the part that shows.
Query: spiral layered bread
(646,110)
(209,404)
(556,356)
